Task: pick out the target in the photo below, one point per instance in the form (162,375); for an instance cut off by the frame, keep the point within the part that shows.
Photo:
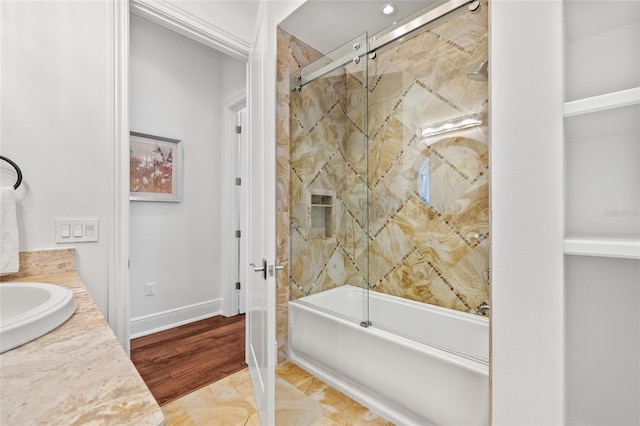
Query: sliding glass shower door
(329,207)
(389,176)
(429,167)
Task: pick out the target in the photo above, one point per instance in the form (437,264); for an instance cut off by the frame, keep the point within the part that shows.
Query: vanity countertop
(77,374)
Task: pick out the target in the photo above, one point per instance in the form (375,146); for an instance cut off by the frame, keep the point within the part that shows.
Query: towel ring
(18,171)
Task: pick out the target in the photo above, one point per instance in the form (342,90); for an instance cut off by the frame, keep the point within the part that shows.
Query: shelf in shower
(604,102)
(603,246)
(322,213)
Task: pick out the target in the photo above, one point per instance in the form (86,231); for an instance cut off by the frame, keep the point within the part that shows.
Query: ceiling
(328,24)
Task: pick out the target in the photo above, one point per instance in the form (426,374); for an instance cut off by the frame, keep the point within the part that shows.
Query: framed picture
(155,168)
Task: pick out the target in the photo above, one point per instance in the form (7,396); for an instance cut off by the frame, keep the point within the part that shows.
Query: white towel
(9,250)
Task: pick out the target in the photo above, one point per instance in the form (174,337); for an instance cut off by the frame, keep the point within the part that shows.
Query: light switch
(76,230)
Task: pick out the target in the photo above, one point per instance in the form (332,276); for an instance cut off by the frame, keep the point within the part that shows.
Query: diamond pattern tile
(410,215)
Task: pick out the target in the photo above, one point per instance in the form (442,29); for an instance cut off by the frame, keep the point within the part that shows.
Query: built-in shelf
(322,213)
(323,199)
(602,196)
(604,102)
(602,246)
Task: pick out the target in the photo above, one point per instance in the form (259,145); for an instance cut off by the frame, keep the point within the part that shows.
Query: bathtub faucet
(483,308)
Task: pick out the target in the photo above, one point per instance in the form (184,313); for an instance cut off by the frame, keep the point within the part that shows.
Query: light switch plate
(82,230)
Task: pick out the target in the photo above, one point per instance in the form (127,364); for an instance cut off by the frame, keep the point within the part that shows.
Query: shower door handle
(262,268)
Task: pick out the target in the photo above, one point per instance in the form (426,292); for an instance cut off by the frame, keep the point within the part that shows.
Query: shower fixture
(481,73)
(474,5)
(483,308)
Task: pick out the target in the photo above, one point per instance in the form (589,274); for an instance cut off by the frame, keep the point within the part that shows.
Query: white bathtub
(444,382)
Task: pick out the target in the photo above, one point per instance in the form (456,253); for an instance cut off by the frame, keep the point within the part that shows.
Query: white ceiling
(328,24)
(323,24)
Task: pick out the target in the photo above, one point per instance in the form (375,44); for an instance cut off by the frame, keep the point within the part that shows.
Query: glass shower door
(328,181)
(429,168)
(389,173)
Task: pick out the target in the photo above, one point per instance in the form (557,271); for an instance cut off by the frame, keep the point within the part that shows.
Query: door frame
(229,257)
(174,19)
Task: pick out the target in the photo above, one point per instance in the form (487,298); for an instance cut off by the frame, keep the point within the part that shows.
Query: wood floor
(178,361)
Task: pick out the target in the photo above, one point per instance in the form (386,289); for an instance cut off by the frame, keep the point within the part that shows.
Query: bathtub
(439,378)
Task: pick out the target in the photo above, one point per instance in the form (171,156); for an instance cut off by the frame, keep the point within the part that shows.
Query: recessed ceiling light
(389,9)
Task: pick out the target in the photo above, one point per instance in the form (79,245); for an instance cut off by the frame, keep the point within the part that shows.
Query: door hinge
(238,234)
(238,129)
(238,181)
(237,286)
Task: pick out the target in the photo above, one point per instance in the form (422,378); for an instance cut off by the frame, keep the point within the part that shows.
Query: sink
(31,310)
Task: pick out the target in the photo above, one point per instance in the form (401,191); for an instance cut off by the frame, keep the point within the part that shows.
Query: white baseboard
(149,324)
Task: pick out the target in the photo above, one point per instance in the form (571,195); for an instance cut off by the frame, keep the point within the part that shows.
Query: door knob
(262,268)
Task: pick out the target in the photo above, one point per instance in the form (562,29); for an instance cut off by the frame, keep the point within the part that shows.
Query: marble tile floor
(302,400)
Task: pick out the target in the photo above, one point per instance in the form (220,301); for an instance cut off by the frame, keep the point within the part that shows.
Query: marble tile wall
(328,156)
(387,228)
(430,245)
(292,54)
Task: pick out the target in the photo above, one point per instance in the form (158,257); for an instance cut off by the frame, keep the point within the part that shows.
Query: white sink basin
(30,310)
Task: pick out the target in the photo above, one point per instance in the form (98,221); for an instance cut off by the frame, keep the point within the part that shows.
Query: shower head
(480,74)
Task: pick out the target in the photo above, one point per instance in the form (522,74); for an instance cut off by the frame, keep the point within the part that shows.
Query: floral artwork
(155,172)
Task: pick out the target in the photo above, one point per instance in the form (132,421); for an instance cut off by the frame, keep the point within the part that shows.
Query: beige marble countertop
(78,374)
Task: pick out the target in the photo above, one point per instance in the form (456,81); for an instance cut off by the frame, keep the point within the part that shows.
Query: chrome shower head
(480,74)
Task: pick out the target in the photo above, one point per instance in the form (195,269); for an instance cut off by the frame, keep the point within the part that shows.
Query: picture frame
(155,168)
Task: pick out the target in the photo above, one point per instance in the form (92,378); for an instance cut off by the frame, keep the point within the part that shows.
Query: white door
(261,233)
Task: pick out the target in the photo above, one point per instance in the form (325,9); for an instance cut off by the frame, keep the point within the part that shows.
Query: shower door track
(376,42)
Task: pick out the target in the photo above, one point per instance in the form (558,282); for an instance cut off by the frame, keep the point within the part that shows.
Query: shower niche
(322,213)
